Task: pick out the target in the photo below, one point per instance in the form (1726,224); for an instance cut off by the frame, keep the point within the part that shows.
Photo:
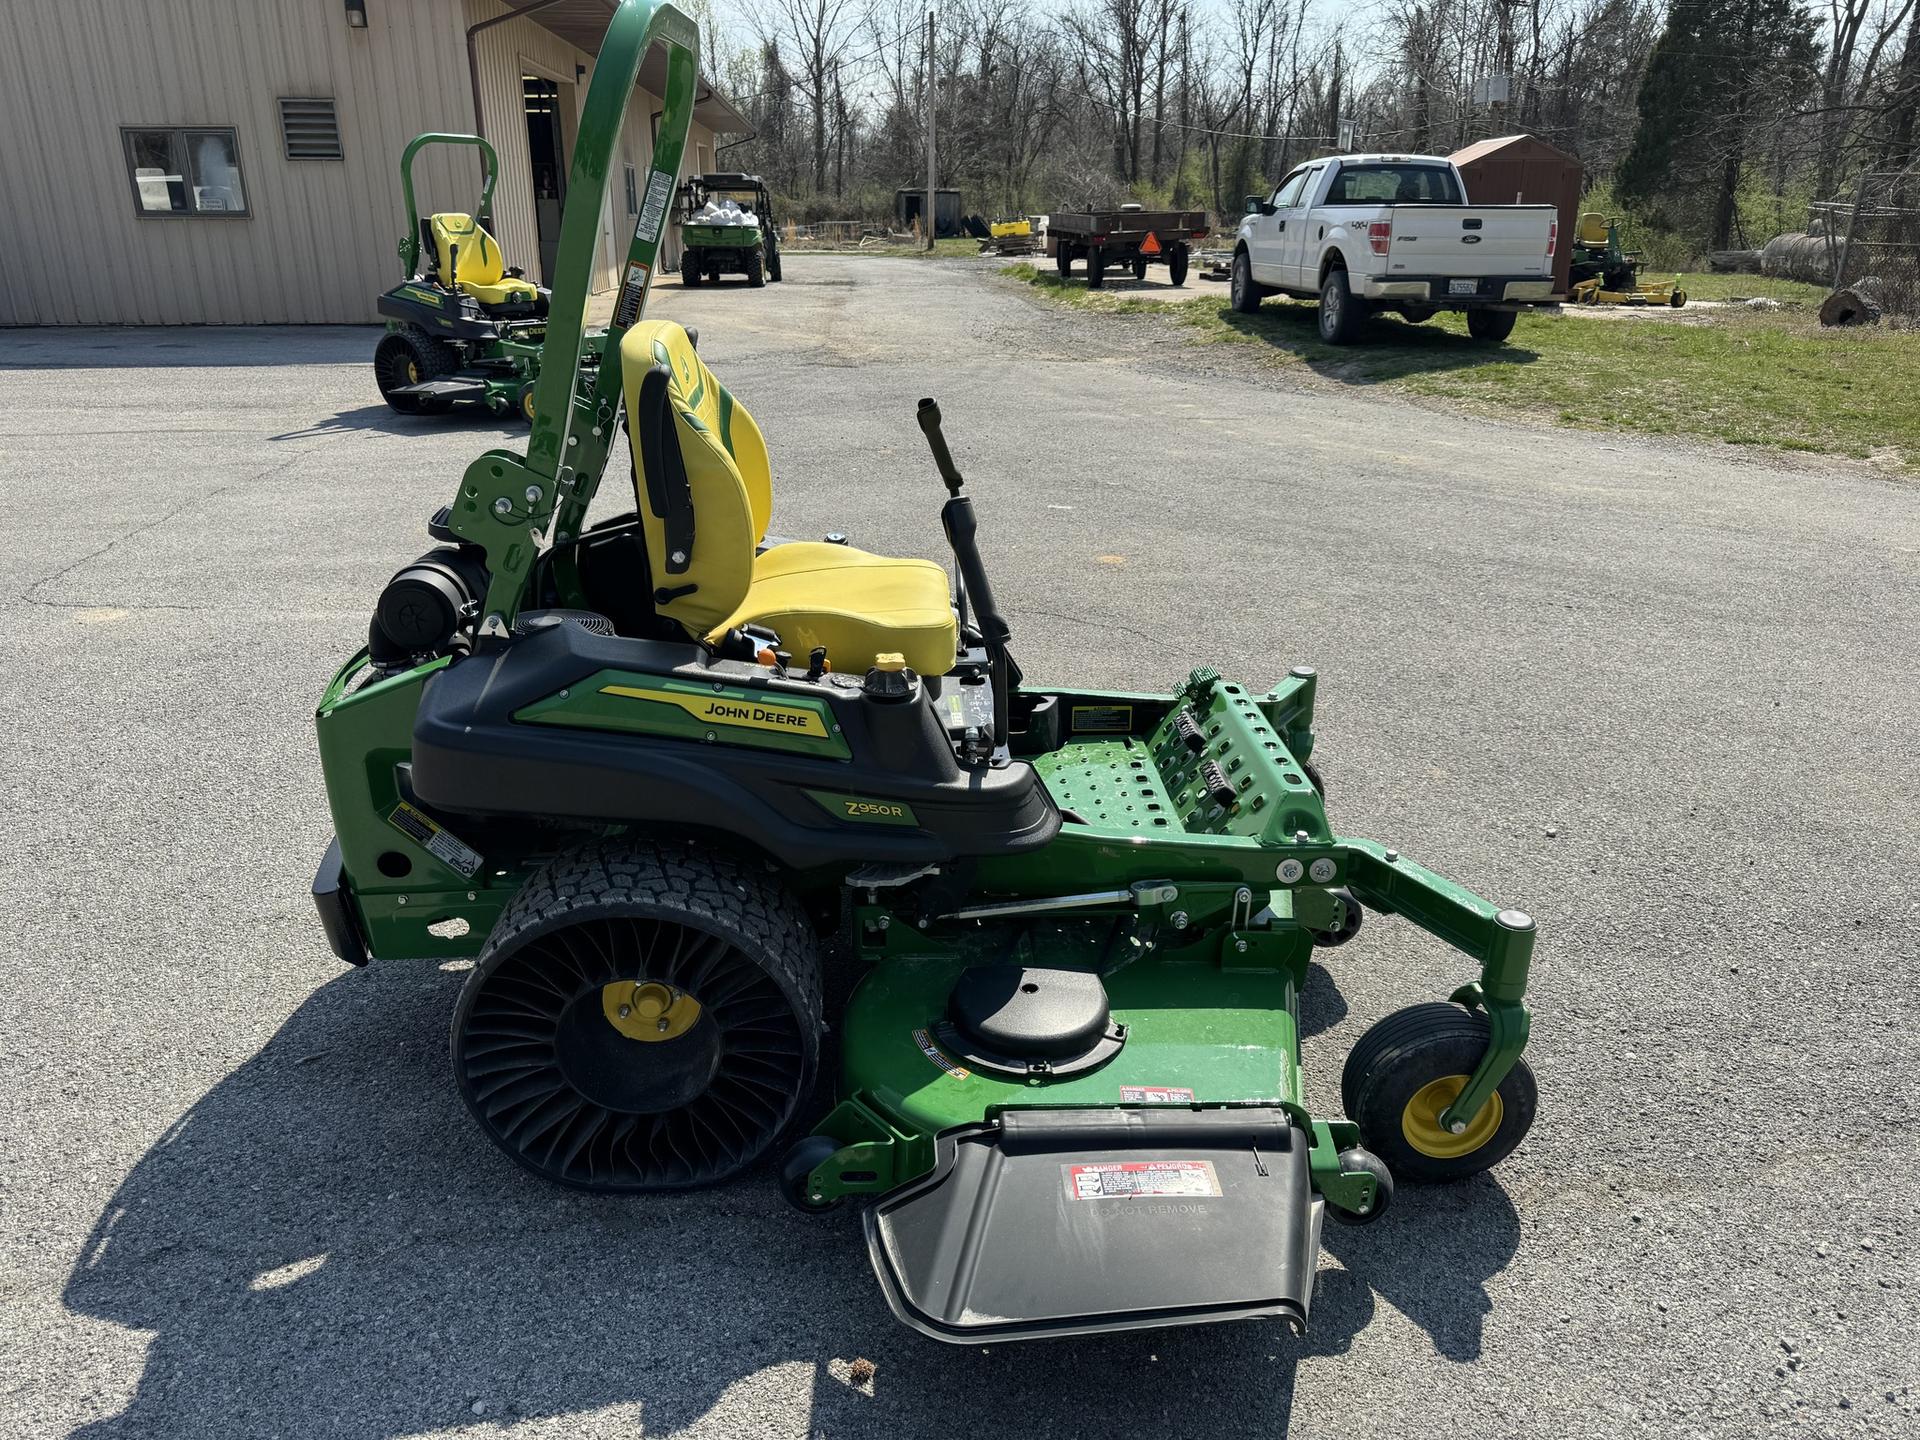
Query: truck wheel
(1096,268)
(1246,295)
(1063,261)
(1342,313)
(756,269)
(1177,266)
(1492,326)
(1139,267)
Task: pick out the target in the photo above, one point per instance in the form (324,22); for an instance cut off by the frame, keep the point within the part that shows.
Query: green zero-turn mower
(710,250)
(645,771)
(462,327)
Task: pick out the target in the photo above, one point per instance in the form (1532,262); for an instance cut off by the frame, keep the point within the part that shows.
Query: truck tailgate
(1470,240)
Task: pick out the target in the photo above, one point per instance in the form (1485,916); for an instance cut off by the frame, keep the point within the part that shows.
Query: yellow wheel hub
(1420,1121)
(413,372)
(526,406)
(648,1010)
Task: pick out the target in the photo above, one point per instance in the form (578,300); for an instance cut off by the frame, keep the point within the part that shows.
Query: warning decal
(1141,1180)
(938,1056)
(1155,1095)
(1102,719)
(631,293)
(653,210)
(442,844)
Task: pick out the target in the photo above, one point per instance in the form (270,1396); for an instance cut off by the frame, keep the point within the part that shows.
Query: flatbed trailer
(1130,237)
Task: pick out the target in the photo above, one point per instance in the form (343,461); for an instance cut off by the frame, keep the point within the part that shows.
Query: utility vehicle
(645,770)
(744,244)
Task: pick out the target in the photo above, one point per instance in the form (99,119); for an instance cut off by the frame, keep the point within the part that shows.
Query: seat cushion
(504,291)
(857,605)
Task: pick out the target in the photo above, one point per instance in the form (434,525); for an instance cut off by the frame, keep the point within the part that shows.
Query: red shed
(1523,169)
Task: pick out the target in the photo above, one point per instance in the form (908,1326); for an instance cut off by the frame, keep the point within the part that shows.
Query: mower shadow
(1389,348)
(383,418)
(325,1245)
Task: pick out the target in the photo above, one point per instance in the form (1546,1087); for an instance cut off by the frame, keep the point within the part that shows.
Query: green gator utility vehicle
(644,770)
(727,228)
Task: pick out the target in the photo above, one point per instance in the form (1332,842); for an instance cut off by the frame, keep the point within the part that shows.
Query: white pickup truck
(1361,232)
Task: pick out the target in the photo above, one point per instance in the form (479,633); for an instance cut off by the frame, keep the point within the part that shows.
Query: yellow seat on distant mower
(482,273)
(1593,229)
(694,444)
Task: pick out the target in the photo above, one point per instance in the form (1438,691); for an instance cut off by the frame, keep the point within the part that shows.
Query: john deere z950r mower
(463,328)
(645,771)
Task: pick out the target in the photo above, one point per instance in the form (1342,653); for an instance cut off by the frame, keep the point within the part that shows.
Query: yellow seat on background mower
(1593,229)
(856,604)
(483,274)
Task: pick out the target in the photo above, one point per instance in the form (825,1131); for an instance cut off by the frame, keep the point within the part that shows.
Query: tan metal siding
(319,244)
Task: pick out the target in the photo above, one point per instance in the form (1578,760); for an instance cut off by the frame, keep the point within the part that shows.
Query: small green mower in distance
(709,251)
(643,771)
(462,327)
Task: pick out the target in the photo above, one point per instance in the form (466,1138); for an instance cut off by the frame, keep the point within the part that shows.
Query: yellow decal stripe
(731,710)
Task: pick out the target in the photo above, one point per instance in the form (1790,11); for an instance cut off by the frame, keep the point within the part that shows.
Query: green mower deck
(1069,1095)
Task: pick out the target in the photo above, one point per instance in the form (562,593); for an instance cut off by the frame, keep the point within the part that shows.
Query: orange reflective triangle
(1150,245)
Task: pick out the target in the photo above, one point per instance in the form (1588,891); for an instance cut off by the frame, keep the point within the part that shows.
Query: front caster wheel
(1351,917)
(1403,1074)
(802,1158)
(1357,1158)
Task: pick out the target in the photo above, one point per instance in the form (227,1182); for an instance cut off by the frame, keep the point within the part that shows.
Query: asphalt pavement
(1664,697)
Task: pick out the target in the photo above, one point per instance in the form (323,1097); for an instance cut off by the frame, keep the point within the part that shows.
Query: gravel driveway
(1664,698)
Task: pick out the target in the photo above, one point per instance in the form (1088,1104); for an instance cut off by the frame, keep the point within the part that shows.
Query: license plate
(1463,287)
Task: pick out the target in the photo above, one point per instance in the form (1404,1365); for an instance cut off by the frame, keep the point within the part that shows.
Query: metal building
(236,161)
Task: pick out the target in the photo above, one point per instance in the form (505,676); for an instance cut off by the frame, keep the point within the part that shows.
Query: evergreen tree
(1710,89)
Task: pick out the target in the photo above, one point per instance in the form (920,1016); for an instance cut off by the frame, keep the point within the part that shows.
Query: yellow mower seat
(1593,230)
(482,273)
(701,469)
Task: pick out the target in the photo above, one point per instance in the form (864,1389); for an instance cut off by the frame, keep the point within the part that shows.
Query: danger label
(632,293)
(437,841)
(1155,1095)
(938,1056)
(1141,1180)
(653,210)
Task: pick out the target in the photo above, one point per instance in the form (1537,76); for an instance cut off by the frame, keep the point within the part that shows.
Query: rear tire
(1343,315)
(606,1104)
(405,357)
(1063,261)
(756,270)
(1403,1073)
(1492,326)
(690,268)
(1177,266)
(1096,268)
(773,263)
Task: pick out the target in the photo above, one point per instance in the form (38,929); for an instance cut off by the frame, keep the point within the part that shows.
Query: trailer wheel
(1139,267)
(1493,326)
(1096,268)
(1177,266)
(1342,313)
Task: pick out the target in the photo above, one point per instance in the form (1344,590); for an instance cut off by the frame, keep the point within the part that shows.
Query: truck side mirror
(1253,204)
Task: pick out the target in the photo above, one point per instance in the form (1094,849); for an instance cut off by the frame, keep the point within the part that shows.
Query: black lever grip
(929,414)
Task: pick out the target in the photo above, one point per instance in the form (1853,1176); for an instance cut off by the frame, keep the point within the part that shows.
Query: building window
(184,172)
(633,192)
(310,129)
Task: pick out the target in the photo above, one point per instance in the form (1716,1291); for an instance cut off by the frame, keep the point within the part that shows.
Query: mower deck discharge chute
(645,770)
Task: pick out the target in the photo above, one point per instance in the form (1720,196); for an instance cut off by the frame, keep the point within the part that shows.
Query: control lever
(957,519)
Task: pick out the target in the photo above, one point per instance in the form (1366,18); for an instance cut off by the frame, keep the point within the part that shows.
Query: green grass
(1773,378)
(1708,285)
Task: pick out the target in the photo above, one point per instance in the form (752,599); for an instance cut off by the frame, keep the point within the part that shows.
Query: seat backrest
(1593,228)
(701,478)
(480,262)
